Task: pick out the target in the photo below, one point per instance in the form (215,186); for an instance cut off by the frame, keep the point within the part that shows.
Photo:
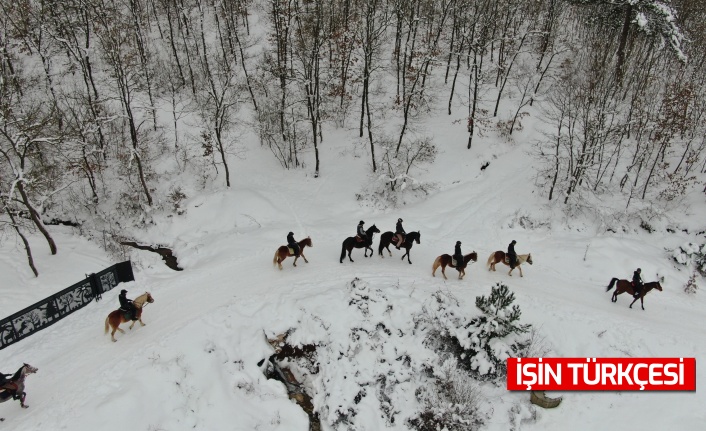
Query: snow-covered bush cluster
(482,343)
(439,352)
(692,254)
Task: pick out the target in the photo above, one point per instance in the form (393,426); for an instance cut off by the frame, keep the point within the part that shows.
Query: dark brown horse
(351,242)
(115,318)
(409,240)
(284,252)
(15,386)
(447,260)
(626,286)
(499,257)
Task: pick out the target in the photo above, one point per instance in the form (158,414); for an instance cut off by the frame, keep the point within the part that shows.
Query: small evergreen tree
(495,335)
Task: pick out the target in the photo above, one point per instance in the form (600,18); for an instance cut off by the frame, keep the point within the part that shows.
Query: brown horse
(626,286)
(284,252)
(15,386)
(447,260)
(115,318)
(499,257)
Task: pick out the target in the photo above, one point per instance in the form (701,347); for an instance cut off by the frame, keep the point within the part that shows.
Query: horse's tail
(343,251)
(437,263)
(490,259)
(107,320)
(612,283)
(274,259)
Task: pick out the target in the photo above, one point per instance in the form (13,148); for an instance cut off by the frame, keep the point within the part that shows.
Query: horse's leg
(349,254)
(23,395)
(295,260)
(642,301)
(510,273)
(304,257)
(407,254)
(443,271)
(633,301)
(112,334)
(520,269)
(388,250)
(132,324)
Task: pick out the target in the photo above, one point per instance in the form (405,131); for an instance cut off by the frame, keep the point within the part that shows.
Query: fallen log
(540,399)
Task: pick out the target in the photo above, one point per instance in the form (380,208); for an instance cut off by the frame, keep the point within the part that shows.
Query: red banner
(601,374)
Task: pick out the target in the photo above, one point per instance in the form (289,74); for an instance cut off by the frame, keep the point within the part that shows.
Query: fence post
(95,286)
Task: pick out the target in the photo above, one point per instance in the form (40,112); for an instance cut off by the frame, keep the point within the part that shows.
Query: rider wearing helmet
(400,233)
(361,232)
(511,255)
(291,243)
(637,282)
(457,254)
(127,304)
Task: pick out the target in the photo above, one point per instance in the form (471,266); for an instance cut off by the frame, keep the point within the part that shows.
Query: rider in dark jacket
(457,254)
(637,282)
(511,255)
(361,232)
(291,243)
(127,305)
(399,231)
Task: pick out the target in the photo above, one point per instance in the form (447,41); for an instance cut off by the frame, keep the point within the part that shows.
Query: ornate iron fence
(54,308)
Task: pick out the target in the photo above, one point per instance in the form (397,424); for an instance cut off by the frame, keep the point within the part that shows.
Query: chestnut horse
(447,260)
(16,383)
(283,252)
(499,256)
(350,243)
(115,318)
(626,286)
(409,240)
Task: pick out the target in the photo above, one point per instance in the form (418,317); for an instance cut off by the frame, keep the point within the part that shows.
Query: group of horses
(390,238)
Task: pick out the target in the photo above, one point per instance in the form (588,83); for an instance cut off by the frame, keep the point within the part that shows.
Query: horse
(283,252)
(115,318)
(350,243)
(499,256)
(16,385)
(409,239)
(446,260)
(626,286)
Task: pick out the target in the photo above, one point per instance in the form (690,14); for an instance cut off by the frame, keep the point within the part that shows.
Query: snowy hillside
(195,364)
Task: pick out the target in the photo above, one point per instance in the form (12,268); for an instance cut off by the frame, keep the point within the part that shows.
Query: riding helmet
(291,233)
(514,242)
(639,270)
(399,220)
(361,222)
(123,291)
(458,242)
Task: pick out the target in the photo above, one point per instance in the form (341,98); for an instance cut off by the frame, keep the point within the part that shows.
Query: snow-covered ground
(195,364)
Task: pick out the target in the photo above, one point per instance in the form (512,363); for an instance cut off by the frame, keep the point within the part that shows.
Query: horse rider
(127,305)
(291,243)
(458,255)
(637,282)
(511,255)
(400,233)
(361,232)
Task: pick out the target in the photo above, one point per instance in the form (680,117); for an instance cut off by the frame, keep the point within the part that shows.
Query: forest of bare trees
(100,100)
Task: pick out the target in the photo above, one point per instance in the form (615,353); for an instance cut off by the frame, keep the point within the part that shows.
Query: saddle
(358,238)
(453,262)
(291,250)
(127,314)
(395,239)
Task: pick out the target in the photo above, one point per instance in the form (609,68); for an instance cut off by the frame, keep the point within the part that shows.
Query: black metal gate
(54,308)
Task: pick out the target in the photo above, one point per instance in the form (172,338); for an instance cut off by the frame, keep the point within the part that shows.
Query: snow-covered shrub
(450,403)
(691,287)
(393,184)
(690,253)
(483,342)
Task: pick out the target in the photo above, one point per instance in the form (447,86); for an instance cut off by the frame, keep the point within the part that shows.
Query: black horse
(409,240)
(350,243)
